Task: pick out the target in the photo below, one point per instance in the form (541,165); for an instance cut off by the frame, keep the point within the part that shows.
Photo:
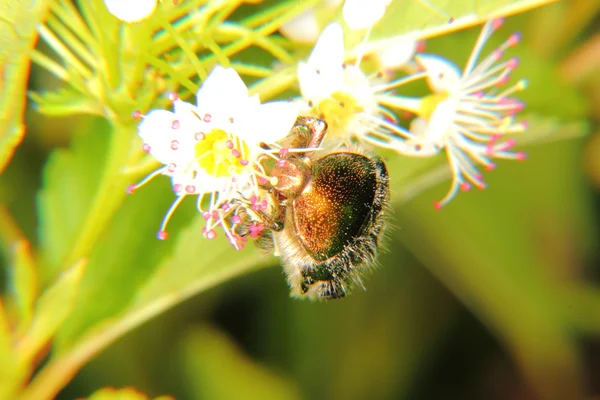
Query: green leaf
(146,287)
(70,182)
(500,250)
(24,284)
(118,268)
(51,310)
(10,374)
(213,361)
(18,23)
(66,101)
(415,18)
(122,394)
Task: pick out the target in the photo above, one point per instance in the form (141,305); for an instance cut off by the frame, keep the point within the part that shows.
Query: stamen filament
(167,217)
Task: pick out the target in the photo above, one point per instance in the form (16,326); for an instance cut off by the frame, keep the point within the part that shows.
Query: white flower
(302,29)
(344,96)
(397,52)
(361,14)
(131,10)
(212,147)
(305,27)
(467,114)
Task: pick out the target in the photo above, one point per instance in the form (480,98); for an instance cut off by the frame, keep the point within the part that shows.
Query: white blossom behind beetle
(306,27)
(344,96)
(361,14)
(131,10)
(212,148)
(467,114)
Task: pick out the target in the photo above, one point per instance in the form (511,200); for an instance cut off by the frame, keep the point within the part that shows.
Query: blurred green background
(494,297)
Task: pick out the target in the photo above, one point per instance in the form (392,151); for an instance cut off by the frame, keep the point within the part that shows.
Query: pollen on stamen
(256,230)
(162,235)
(512,63)
(207,118)
(521,156)
(236,153)
(199,136)
(262,180)
(508,144)
(174,145)
(172,96)
(177,188)
(521,85)
(502,81)
(236,219)
(172,167)
(131,189)
(490,167)
(190,188)
(513,39)
(497,23)
(229,144)
(284,152)
(465,186)
(225,207)
(211,234)
(146,148)
(206,215)
(437,205)
(137,115)
(175,124)
(244,162)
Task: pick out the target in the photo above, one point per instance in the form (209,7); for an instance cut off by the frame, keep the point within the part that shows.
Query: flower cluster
(216,149)
(466,115)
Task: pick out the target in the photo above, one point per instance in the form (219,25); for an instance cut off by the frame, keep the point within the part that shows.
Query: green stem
(63,51)
(69,38)
(189,52)
(67,13)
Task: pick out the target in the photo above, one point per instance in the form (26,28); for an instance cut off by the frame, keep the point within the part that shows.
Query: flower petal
(442,75)
(196,181)
(170,141)
(271,122)
(360,14)
(130,10)
(441,121)
(302,29)
(223,92)
(398,53)
(323,74)
(329,49)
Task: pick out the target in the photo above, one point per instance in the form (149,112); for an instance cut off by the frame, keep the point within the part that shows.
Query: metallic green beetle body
(333,212)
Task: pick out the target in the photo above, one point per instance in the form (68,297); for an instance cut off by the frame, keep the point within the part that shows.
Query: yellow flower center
(338,110)
(430,103)
(221,156)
